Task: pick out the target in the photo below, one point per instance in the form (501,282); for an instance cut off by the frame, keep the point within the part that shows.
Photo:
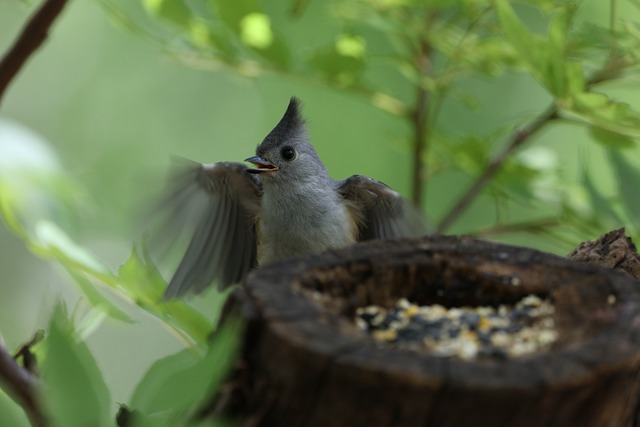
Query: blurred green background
(113,107)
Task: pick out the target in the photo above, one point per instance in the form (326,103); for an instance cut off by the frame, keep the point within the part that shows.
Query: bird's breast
(300,226)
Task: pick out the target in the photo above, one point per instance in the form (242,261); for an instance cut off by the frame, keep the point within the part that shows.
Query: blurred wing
(380,212)
(218,203)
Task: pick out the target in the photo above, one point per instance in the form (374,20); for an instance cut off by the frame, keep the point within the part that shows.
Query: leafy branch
(430,47)
(15,379)
(519,138)
(23,386)
(566,89)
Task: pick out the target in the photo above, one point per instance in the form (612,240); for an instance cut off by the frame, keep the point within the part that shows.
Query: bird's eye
(288,153)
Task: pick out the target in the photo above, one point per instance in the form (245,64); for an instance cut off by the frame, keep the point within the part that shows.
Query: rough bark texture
(611,250)
(306,364)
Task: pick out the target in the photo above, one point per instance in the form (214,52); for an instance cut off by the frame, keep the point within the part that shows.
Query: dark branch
(32,36)
(25,353)
(419,120)
(611,70)
(22,387)
(17,381)
(516,140)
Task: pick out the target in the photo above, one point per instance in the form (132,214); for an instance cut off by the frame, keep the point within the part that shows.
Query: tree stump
(306,363)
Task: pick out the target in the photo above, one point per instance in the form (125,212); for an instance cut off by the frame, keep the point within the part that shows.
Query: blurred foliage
(396,54)
(387,51)
(76,394)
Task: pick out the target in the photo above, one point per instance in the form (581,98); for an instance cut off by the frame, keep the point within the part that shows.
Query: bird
(284,205)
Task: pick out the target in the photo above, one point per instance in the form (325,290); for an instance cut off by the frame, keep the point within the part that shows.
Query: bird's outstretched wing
(218,204)
(380,212)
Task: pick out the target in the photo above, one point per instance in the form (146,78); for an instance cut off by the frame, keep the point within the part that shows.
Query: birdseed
(466,332)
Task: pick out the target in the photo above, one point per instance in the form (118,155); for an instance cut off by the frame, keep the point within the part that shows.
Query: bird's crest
(288,127)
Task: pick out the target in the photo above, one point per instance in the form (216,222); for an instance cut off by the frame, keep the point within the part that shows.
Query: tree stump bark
(307,364)
(611,250)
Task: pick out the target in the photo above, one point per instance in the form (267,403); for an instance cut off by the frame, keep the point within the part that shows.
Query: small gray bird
(287,205)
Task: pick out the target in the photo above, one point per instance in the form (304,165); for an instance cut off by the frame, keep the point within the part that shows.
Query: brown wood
(306,364)
(611,250)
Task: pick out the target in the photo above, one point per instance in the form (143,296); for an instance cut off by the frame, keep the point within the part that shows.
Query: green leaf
(52,242)
(610,139)
(180,382)
(530,48)
(185,318)
(57,243)
(97,300)
(277,53)
(469,154)
(175,11)
(601,206)
(491,55)
(574,73)
(589,36)
(518,179)
(255,30)
(233,12)
(601,111)
(343,68)
(524,41)
(628,181)
(199,34)
(546,58)
(76,394)
(554,73)
(588,101)
(82,265)
(351,45)
(8,203)
(142,280)
(221,39)
(517,33)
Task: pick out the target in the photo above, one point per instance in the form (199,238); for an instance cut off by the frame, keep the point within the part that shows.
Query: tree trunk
(307,364)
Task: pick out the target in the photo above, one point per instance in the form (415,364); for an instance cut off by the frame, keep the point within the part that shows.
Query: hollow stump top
(309,365)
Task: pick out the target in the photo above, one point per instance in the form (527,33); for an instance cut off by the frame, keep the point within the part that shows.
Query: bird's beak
(262,165)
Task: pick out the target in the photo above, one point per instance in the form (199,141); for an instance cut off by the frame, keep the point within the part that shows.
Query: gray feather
(226,200)
(381,213)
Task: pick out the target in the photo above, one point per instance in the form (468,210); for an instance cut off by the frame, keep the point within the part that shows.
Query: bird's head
(286,154)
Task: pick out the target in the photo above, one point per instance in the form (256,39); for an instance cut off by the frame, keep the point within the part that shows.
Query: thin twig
(516,140)
(420,115)
(419,121)
(609,71)
(32,36)
(21,386)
